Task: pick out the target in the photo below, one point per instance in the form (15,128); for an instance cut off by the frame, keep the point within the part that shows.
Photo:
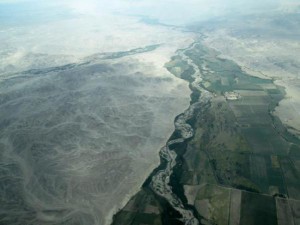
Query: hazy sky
(167,11)
(173,11)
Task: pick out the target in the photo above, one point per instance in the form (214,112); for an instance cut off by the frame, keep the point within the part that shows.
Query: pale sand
(289,108)
(179,90)
(67,41)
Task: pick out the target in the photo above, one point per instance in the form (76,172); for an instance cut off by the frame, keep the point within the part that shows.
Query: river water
(160,182)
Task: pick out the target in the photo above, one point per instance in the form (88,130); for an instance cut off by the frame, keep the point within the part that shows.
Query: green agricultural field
(240,142)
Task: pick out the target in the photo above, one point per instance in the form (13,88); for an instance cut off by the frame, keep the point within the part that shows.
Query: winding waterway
(160,182)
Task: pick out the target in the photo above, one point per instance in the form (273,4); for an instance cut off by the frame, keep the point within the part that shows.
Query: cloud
(173,12)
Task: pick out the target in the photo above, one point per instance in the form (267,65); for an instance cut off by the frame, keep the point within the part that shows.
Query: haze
(86,101)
